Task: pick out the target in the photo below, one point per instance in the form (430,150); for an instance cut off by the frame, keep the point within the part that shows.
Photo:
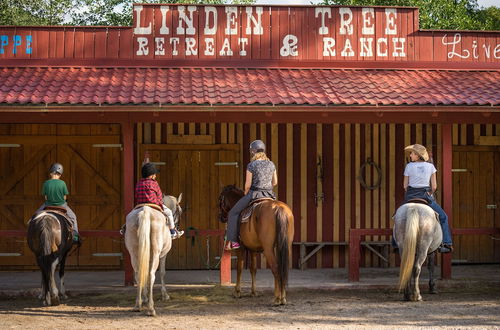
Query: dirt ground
(205,307)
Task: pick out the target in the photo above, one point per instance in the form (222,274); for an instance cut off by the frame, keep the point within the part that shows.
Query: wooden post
(225,268)
(447,192)
(354,255)
(128,188)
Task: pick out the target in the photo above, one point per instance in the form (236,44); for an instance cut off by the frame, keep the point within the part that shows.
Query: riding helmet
(149,169)
(56,168)
(257,146)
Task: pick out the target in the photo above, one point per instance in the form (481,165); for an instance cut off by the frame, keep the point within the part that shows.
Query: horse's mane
(231,188)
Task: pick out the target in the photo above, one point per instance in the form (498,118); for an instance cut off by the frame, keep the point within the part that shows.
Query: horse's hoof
(136,309)
(283,301)
(64,296)
(151,312)
(433,291)
(254,294)
(165,297)
(237,294)
(277,302)
(55,301)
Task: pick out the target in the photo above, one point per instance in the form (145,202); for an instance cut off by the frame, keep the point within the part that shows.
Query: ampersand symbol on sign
(289,46)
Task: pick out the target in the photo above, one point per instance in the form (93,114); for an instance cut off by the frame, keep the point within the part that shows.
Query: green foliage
(440,14)
(35,12)
(79,12)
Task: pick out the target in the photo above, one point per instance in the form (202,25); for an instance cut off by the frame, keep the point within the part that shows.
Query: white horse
(418,233)
(148,241)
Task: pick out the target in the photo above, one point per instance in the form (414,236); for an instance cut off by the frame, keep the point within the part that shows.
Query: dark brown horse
(269,228)
(50,238)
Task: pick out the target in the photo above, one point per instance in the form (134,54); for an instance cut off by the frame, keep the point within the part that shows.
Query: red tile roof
(227,86)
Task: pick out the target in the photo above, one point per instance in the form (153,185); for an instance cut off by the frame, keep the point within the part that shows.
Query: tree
(35,12)
(79,12)
(439,14)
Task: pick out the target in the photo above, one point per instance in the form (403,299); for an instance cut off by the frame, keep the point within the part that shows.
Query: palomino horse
(148,241)
(50,238)
(418,234)
(270,226)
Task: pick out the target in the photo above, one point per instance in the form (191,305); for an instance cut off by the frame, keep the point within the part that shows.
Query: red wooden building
(335,92)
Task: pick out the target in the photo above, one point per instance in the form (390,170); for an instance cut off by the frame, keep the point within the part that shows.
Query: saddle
(150,205)
(247,212)
(55,210)
(418,201)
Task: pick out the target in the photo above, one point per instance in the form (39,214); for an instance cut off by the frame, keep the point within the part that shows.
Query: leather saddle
(418,201)
(156,207)
(247,212)
(56,210)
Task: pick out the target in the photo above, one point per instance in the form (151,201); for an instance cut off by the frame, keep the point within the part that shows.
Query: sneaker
(231,246)
(173,233)
(179,233)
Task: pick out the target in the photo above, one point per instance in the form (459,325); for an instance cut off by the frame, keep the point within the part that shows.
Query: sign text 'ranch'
(334,32)
(197,33)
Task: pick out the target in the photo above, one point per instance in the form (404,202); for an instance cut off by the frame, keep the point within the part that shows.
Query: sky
(482,3)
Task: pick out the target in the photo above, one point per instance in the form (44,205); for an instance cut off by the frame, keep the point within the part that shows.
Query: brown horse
(50,238)
(270,227)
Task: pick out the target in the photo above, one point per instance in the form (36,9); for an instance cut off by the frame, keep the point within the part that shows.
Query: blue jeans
(443,220)
(412,192)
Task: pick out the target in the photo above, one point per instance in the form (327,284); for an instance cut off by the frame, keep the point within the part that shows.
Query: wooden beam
(128,188)
(447,191)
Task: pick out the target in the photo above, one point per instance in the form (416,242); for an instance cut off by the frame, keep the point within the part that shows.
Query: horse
(270,226)
(148,242)
(418,235)
(50,238)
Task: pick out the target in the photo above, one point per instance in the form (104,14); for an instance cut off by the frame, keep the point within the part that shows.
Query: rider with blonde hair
(420,182)
(260,179)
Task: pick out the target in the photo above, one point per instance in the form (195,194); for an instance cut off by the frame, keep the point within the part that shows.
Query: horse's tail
(282,252)
(144,247)
(409,246)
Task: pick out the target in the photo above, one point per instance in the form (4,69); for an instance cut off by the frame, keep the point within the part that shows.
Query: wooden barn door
(476,202)
(198,172)
(91,158)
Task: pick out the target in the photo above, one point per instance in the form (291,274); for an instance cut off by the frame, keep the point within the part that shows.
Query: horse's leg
(45,294)
(271,261)
(52,282)
(61,277)
(430,266)
(417,267)
(138,298)
(241,260)
(253,271)
(164,294)
(152,270)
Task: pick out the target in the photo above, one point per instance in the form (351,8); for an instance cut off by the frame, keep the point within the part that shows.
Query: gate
(91,158)
(476,202)
(198,172)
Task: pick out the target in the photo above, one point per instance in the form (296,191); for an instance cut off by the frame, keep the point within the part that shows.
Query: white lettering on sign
(187,19)
(143,46)
(289,47)
(345,21)
(390,17)
(368,21)
(328,46)
(243,42)
(210,12)
(159,50)
(461,51)
(257,29)
(347,51)
(190,47)
(138,29)
(322,11)
(366,47)
(209,47)
(174,42)
(399,47)
(164,28)
(226,48)
(232,14)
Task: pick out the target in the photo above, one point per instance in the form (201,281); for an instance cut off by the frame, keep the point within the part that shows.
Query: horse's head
(173,203)
(227,198)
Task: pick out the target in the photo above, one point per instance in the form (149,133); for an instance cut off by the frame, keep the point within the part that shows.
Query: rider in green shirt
(55,192)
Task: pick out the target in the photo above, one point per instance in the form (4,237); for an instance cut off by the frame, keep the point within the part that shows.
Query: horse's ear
(179,199)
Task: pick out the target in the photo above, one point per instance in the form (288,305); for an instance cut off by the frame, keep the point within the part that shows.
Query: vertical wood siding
(318,167)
